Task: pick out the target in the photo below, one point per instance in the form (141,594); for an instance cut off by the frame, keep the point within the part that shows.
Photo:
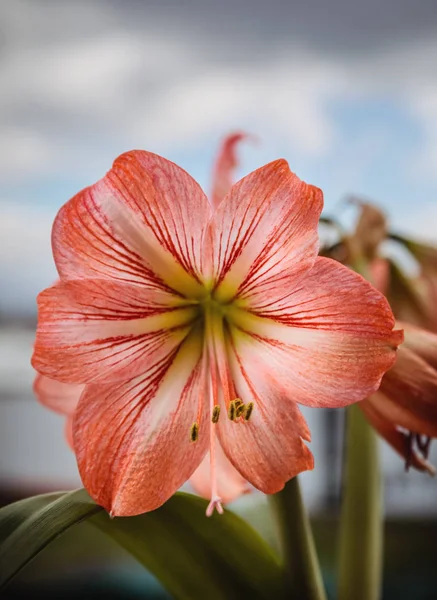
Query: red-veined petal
(224,167)
(397,439)
(105,331)
(132,440)
(411,384)
(143,222)
(264,231)
(230,484)
(267,449)
(401,413)
(58,396)
(330,296)
(330,342)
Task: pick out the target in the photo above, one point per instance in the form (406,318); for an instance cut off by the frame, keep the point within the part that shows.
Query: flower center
(218,390)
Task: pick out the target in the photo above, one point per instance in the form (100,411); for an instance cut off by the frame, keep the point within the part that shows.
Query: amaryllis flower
(404,409)
(191,327)
(64,397)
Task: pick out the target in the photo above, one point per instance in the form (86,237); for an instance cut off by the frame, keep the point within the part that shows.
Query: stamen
(215,414)
(238,402)
(194,433)
(240,410)
(248,411)
(232,411)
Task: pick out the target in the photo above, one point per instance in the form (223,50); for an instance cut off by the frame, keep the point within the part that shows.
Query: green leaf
(28,526)
(193,556)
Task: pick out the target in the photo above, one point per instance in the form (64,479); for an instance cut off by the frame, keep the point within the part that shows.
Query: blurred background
(346,92)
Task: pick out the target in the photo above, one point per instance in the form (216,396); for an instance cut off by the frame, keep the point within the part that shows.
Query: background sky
(346,92)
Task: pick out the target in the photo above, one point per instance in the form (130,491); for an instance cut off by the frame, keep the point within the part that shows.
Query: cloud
(423,105)
(101,76)
(420,223)
(26,265)
(89,80)
(26,151)
(130,83)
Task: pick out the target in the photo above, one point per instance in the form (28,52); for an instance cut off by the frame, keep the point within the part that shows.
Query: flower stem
(301,563)
(361,525)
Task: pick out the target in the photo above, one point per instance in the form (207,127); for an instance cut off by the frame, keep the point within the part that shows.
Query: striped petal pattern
(192,331)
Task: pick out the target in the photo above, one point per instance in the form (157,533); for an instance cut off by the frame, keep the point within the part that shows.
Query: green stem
(361,525)
(298,549)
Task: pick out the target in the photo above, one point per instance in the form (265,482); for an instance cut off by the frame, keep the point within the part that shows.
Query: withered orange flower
(404,409)
(191,327)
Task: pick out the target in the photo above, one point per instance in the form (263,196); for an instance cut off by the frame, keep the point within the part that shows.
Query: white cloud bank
(164,88)
(26,260)
(82,83)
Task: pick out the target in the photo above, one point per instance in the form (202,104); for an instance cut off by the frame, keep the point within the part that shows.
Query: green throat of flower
(218,324)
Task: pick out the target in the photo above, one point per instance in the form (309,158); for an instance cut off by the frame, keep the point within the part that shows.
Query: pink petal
(268,449)
(224,167)
(230,484)
(330,342)
(105,331)
(264,231)
(330,296)
(420,341)
(133,440)
(412,386)
(397,439)
(143,222)
(402,413)
(60,397)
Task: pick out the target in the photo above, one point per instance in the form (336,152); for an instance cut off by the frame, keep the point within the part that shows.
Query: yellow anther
(232,411)
(248,411)
(238,402)
(194,433)
(240,409)
(215,413)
